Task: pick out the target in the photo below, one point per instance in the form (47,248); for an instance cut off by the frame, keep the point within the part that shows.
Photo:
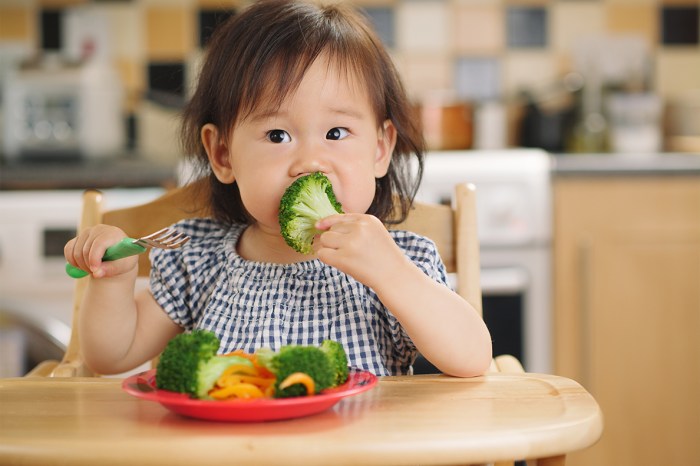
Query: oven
(513,195)
(35,292)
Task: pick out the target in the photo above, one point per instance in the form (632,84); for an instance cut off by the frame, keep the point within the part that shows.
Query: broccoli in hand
(306,201)
(326,365)
(189,364)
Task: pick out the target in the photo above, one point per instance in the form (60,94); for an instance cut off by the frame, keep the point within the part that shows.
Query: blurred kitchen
(578,120)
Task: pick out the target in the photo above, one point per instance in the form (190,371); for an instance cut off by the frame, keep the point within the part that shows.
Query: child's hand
(359,245)
(86,250)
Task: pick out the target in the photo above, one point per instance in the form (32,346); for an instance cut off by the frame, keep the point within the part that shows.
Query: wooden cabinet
(627,311)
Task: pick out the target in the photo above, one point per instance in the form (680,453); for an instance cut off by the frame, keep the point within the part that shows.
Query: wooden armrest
(508,363)
(72,369)
(43,369)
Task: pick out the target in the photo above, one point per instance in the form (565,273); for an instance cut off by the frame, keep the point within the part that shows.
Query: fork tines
(167,238)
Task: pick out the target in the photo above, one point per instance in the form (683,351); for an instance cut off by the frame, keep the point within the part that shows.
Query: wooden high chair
(453,229)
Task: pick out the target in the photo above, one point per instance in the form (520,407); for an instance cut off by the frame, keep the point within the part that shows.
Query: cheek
(260,202)
(357,197)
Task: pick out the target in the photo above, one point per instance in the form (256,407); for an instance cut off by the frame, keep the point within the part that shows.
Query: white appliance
(513,193)
(70,102)
(35,292)
(57,109)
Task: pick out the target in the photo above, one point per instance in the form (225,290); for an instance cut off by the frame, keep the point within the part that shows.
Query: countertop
(125,171)
(132,170)
(625,164)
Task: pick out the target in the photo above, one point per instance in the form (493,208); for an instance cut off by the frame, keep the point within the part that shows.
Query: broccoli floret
(306,201)
(321,365)
(189,364)
(339,360)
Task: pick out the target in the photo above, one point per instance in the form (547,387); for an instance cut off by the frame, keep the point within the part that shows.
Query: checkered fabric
(207,285)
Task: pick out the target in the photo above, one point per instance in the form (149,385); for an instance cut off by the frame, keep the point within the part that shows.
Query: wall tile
(127,30)
(383,20)
(15,23)
(60,3)
(529,70)
(677,70)
(50,28)
(209,20)
(133,76)
(526,27)
(166,78)
(424,73)
(478,79)
(679,25)
(479,28)
(423,26)
(678,2)
(633,19)
(169,32)
(571,21)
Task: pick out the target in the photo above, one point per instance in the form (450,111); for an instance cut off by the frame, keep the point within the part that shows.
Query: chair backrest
(454,231)
(452,228)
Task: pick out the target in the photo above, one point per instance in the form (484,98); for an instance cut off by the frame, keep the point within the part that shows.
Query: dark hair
(263,53)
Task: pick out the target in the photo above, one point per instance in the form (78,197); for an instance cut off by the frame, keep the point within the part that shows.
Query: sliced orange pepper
(241,390)
(228,380)
(299,377)
(262,371)
(239,369)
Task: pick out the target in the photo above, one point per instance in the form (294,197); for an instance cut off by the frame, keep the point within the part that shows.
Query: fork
(167,238)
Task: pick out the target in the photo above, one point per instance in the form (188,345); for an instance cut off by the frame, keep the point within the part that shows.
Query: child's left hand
(360,246)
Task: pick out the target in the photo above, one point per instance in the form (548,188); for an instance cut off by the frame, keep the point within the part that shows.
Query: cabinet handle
(584,317)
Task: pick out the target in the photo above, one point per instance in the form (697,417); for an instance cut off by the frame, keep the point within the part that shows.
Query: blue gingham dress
(207,285)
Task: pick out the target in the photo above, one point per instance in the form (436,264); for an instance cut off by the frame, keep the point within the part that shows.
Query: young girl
(287,89)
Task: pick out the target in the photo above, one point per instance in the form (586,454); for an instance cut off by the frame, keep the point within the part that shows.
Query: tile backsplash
(481,50)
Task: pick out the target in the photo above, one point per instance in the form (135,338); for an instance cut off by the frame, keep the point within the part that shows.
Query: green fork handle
(125,248)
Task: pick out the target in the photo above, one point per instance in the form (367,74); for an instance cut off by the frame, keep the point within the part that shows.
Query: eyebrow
(347,112)
(267,114)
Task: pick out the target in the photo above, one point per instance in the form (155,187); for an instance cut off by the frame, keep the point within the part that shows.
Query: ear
(218,153)
(385,148)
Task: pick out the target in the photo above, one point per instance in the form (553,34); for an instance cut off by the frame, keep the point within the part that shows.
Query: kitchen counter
(126,171)
(624,164)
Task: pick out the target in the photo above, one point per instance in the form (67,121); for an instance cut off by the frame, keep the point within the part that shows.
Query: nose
(309,159)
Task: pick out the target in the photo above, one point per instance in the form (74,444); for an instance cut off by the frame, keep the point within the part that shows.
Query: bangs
(281,66)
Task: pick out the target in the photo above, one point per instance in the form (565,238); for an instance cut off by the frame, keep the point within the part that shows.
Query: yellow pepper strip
(262,371)
(239,369)
(241,390)
(233,379)
(299,377)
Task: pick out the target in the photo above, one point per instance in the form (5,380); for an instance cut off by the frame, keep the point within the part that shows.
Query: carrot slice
(299,377)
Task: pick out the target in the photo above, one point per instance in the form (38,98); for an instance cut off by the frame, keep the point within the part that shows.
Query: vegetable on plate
(190,364)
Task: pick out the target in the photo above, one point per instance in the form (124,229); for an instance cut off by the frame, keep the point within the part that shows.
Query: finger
(329,239)
(328,222)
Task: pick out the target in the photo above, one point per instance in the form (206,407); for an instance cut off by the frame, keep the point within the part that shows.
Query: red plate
(143,386)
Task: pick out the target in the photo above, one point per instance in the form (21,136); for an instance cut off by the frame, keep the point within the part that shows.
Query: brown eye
(337,134)
(278,136)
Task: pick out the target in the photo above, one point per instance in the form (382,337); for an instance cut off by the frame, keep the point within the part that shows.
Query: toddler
(287,89)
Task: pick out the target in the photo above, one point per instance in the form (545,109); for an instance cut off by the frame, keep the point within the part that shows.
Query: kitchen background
(566,75)
(578,120)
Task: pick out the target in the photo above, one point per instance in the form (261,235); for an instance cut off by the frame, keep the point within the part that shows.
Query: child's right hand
(86,250)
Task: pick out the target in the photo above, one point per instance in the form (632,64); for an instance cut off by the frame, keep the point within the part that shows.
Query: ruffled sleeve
(182,280)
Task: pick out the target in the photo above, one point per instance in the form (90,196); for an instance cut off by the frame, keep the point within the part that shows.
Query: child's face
(327,125)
